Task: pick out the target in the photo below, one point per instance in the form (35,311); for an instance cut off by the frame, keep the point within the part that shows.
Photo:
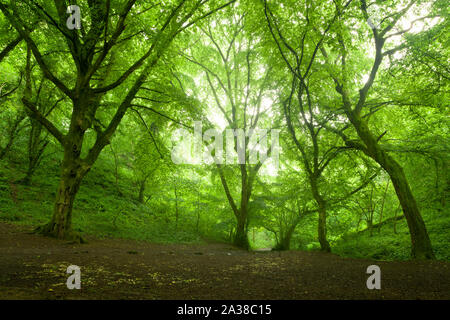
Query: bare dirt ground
(34,267)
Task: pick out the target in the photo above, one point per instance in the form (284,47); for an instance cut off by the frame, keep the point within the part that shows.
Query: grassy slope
(99,210)
(386,245)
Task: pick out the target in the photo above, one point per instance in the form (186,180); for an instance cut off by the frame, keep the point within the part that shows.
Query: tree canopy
(313,124)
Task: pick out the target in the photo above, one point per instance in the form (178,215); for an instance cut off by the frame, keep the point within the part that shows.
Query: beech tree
(302,58)
(92,56)
(369,142)
(239,91)
(357,92)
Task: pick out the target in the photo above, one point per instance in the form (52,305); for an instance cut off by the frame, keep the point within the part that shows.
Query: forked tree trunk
(36,152)
(73,170)
(285,239)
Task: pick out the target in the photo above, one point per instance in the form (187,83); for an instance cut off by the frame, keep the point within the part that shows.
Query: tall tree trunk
(322,223)
(322,230)
(73,170)
(371,210)
(176,209)
(241,237)
(198,212)
(197,224)
(382,206)
(142,185)
(36,148)
(420,242)
(60,226)
(116,175)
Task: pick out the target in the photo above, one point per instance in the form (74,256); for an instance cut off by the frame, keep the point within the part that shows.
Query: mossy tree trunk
(420,242)
(240,236)
(60,226)
(92,55)
(73,170)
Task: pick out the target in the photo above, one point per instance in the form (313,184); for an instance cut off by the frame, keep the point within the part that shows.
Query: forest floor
(34,267)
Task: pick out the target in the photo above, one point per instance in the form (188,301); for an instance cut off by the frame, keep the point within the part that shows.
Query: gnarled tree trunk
(73,170)
(60,226)
(420,242)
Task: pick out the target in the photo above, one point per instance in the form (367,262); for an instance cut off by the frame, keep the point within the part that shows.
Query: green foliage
(387,245)
(251,64)
(100,211)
